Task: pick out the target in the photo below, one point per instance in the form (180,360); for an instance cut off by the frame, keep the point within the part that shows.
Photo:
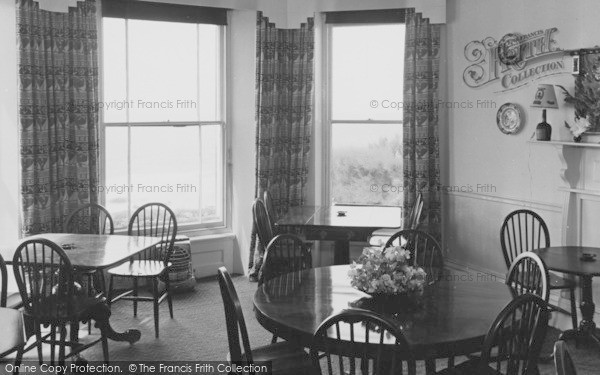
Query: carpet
(198,331)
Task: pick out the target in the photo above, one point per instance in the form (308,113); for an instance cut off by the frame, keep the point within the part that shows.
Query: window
(366,67)
(163,118)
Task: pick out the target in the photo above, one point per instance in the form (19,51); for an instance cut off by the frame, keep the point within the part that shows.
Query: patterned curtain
(284,100)
(58,96)
(421,143)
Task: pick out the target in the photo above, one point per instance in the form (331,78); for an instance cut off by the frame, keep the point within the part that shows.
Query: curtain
(58,112)
(420,129)
(284,102)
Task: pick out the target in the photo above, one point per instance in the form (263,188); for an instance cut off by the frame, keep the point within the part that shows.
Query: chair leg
(135,294)
(62,345)
(429,366)
(156,297)
(38,337)
(52,343)
(110,291)
(91,287)
(168,291)
(573,308)
(19,358)
(104,341)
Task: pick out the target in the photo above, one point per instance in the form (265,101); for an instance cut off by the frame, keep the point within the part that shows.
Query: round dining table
(451,318)
(571,260)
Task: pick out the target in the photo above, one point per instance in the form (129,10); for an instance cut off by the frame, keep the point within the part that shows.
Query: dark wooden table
(91,251)
(452,319)
(324,223)
(567,259)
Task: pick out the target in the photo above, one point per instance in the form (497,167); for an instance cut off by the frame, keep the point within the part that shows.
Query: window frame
(189,229)
(327,108)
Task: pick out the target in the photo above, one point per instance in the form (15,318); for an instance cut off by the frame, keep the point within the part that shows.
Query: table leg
(341,253)
(587,327)
(101,315)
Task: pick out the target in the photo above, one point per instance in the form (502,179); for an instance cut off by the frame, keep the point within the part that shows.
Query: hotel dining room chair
(381,236)
(285,253)
(425,251)
(91,218)
(524,230)
(357,341)
(12,329)
(150,220)
(562,359)
(513,344)
(528,274)
(285,357)
(262,222)
(44,275)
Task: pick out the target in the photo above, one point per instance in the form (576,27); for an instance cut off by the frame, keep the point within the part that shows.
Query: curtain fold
(284,102)
(420,121)
(58,112)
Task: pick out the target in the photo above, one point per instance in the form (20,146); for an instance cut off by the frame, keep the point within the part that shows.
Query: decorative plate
(509,119)
(509,49)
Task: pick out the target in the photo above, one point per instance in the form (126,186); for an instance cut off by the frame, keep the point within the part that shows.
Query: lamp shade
(545,97)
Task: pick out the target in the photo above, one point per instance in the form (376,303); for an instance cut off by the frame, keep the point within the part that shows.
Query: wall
(522,174)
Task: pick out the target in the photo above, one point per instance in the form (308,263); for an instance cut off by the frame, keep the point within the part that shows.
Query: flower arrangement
(386,272)
(587,109)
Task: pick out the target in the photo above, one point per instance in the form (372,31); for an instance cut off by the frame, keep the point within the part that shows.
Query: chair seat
(140,268)
(559,282)
(287,358)
(56,311)
(11,329)
(468,368)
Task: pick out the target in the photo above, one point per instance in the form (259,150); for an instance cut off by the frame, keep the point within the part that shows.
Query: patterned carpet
(198,330)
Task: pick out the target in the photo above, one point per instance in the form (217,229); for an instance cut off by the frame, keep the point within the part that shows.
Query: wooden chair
(264,226)
(426,251)
(512,345)
(562,359)
(380,236)
(154,220)
(525,230)
(361,342)
(45,278)
(12,329)
(91,218)
(286,358)
(528,274)
(285,253)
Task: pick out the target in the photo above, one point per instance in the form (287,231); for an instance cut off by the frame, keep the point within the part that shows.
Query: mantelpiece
(580,172)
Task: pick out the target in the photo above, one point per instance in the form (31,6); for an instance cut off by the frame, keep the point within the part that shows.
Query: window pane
(208,69)
(366,164)
(212,177)
(165,167)
(367,69)
(163,66)
(116,187)
(114,72)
